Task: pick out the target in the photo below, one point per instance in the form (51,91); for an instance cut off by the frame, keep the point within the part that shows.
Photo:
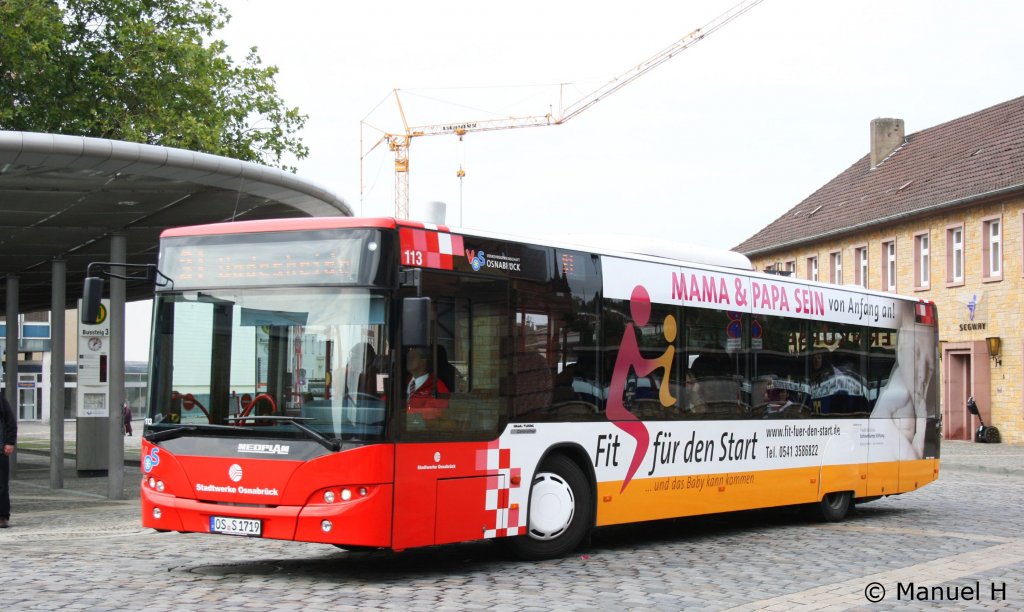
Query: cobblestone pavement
(74,549)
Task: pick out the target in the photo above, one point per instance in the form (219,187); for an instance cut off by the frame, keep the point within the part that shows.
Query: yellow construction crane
(399,143)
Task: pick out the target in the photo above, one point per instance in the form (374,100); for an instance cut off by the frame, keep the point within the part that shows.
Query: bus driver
(423,387)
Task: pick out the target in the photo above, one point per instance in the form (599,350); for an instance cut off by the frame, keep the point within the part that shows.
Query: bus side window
(532,383)
(574,349)
(779,356)
(468,315)
(839,383)
(716,364)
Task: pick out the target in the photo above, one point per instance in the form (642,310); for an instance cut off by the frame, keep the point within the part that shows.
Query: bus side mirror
(416,321)
(92,293)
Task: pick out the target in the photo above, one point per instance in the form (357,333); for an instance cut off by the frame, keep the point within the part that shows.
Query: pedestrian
(9,435)
(126,415)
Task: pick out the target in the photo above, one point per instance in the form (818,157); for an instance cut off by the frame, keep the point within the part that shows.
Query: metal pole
(11,366)
(57,306)
(115,457)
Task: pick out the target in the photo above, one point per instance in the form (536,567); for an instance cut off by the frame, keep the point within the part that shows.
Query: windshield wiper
(331,445)
(167,434)
(177,432)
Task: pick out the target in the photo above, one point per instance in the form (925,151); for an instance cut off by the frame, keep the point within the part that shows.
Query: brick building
(939,215)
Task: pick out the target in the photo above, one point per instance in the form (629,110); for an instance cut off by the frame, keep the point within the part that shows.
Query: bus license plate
(236,526)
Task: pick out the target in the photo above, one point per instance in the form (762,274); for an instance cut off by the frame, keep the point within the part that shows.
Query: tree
(143,71)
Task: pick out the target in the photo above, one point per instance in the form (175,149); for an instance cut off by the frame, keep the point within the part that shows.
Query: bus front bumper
(361,521)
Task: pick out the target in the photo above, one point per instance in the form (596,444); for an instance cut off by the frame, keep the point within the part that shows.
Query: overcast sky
(708,148)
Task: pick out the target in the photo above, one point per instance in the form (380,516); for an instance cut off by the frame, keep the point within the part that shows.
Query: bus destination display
(333,261)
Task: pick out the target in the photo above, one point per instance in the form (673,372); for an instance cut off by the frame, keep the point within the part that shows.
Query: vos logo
(476,259)
(151,460)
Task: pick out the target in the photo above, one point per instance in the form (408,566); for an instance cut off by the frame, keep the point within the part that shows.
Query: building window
(992,249)
(790,268)
(889,265)
(922,261)
(835,272)
(860,254)
(955,255)
(812,268)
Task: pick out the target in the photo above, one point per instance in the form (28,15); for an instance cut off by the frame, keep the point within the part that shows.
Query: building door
(956,421)
(28,407)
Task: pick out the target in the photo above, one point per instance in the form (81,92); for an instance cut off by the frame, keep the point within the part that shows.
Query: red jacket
(424,400)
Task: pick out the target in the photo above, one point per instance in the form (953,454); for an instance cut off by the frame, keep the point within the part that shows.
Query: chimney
(435,213)
(886,137)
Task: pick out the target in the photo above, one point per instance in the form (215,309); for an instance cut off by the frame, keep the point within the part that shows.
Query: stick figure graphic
(629,357)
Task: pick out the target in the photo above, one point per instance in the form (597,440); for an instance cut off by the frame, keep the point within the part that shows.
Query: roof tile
(967,157)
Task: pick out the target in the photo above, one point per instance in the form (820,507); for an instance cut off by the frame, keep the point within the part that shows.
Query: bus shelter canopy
(63,197)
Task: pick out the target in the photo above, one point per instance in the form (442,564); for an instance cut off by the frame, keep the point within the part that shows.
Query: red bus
(394,384)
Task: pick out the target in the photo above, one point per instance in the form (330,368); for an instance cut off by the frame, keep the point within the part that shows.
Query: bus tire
(560,511)
(834,507)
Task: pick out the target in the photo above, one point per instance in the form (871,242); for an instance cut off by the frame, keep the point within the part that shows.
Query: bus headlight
(326,526)
(340,495)
(157,513)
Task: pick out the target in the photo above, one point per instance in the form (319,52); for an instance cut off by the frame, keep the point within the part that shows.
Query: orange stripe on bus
(648,499)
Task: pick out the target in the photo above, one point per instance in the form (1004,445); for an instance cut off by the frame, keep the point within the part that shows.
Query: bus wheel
(560,511)
(835,506)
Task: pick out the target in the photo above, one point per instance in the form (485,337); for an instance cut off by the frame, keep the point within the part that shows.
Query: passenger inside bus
(821,368)
(426,394)
(715,389)
(361,372)
(779,404)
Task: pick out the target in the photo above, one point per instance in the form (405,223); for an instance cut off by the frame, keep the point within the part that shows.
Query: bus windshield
(307,355)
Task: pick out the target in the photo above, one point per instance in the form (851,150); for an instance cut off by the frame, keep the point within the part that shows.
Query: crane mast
(398,144)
